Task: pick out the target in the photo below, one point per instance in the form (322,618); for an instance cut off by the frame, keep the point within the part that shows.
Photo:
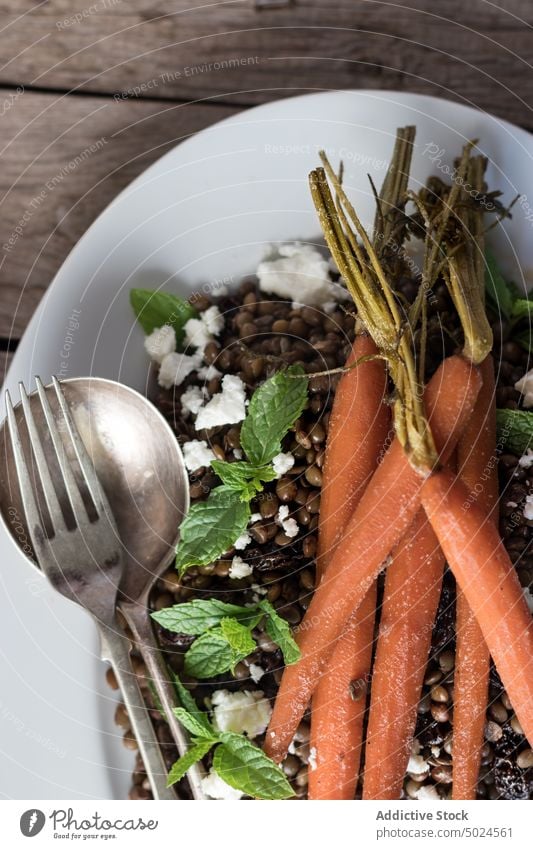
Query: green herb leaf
(522,308)
(209,655)
(515,430)
(154,309)
(273,409)
(246,768)
(243,477)
(191,722)
(498,291)
(187,702)
(197,616)
(239,638)
(211,527)
(279,632)
(524,339)
(197,751)
(156,700)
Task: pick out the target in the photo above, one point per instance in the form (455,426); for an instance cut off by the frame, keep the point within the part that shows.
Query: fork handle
(115,648)
(137,618)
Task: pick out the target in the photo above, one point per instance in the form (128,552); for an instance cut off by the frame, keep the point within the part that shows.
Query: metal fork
(81,555)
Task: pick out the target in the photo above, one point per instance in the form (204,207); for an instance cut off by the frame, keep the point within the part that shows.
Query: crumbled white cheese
(160,343)
(200,331)
(526,461)
(298,272)
(289,526)
(256,672)
(427,793)
(282,463)
(244,712)
(312,758)
(511,504)
(417,765)
(242,541)
(528,508)
(209,372)
(529,598)
(192,399)
(525,387)
(237,453)
(196,454)
(226,407)
(175,368)
(255,517)
(216,788)
(239,568)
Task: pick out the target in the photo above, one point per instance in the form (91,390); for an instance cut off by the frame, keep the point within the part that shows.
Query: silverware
(75,538)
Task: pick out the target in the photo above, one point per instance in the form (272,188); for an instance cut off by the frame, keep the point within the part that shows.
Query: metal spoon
(140,466)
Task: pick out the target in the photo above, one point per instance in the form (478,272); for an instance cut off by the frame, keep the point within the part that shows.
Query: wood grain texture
(478,52)
(62,160)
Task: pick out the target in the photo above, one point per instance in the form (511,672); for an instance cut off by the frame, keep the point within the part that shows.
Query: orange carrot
(411,598)
(384,513)
(357,432)
(486,576)
(477,464)
(338,708)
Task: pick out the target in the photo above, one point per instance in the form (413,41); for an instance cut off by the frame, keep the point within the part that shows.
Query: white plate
(202,213)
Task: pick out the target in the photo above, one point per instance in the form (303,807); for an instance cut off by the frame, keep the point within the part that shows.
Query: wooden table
(92,91)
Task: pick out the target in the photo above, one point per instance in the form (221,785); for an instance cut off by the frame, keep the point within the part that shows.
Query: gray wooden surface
(120,81)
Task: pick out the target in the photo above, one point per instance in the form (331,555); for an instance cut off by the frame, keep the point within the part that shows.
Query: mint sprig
(236,760)
(223,633)
(212,526)
(504,297)
(515,430)
(155,309)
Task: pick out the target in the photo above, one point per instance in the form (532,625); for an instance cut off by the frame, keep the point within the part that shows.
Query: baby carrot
(485,574)
(357,432)
(384,513)
(476,454)
(411,597)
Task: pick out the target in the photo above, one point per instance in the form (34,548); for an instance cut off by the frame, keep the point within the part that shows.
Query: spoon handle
(115,648)
(141,627)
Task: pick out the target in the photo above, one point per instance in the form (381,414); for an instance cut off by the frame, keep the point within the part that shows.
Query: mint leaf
(197,751)
(246,768)
(193,724)
(273,409)
(197,616)
(211,527)
(239,638)
(209,655)
(154,309)
(498,291)
(279,632)
(243,476)
(522,308)
(187,702)
(515,430)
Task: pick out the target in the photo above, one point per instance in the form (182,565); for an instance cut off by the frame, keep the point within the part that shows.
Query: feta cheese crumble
(239,568)
(245,712)
(216,788)
(282,463)
(192,399)
(242,541)
(200,331)
(289,526)
(526,461)
(196,454)
(417,765)
(226,407)
(296,268)
(256,672)
(160,343)
(525,387)
(528,508)
(176,367)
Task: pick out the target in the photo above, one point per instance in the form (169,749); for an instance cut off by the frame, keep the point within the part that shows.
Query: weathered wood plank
(62,160)
(476,52)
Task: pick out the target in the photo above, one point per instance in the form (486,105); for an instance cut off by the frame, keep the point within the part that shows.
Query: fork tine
(71,486)
(29,502)
(50,495)
(91,478)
